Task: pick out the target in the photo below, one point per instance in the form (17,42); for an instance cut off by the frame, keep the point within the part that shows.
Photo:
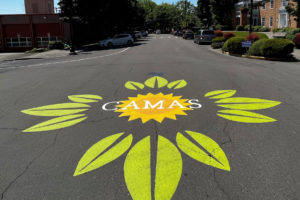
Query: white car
(138,34)
(117,40)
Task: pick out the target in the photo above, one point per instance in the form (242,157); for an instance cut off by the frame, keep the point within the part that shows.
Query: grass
(245,34)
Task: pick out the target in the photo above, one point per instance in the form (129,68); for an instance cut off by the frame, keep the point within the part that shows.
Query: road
(231,159)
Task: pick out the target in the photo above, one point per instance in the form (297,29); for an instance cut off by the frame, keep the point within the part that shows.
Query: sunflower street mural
(147,107)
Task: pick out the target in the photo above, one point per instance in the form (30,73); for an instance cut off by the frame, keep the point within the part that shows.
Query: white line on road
(67,61)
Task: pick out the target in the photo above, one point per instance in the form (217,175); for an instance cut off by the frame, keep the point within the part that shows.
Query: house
(267,13)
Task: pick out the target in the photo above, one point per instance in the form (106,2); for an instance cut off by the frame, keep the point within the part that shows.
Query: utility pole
(251,17)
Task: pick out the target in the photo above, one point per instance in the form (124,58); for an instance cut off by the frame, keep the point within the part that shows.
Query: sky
(17,6)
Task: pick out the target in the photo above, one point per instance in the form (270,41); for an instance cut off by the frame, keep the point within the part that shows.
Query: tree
(102,18)
(204,12)
(187,12)
(294,9)
(223,12)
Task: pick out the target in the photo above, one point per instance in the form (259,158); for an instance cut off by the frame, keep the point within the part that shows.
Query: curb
(251,57)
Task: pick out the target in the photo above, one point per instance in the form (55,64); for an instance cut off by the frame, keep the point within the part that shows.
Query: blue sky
(17,6)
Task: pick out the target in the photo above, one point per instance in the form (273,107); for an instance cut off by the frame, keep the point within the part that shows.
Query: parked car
(189,34)
(117,40)
(158,31)
(178,33)
(138,34)
(145,33)
(204,36)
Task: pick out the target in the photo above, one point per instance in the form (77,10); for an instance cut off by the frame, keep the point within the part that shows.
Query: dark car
(204,36)
(188,34)
(178,33)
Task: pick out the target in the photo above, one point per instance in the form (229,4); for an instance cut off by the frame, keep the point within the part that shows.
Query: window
(284,3)
(18,42)
(44,41)
(271,21)
(263,21)
(271,4)
(264,6)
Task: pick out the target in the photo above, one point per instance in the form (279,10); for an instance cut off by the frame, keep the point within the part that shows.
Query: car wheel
(110,45)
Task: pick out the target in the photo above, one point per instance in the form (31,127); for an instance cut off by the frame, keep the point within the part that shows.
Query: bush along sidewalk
(296,40)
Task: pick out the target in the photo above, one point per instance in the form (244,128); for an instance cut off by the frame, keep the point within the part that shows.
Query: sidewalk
(42,55)
(297,53)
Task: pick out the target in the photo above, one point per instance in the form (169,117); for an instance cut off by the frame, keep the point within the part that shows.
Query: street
(42,163)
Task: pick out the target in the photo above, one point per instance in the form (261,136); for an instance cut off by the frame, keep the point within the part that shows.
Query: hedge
(255,48)
(278,48)
(234,45)
(218,42)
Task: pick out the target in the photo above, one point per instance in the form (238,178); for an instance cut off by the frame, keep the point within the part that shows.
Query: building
(25,31)
(39,6)
(267,13)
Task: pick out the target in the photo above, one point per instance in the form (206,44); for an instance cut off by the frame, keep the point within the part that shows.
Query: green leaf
(134,85)
(177,84)
(244,116)
(57,109)
(168,169)
(220,94)
(161,82)
(242,103)
(93,159)
(214,156)
(85,98)
(57,123)
(137,170)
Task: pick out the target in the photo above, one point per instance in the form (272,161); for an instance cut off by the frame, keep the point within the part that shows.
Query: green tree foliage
(204,12)
(223,12)
(103,18)
(294,9)
(187,13)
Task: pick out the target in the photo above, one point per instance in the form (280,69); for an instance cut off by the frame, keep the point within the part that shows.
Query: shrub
(255,48)
(277,48)
(247,27)
(218,42)
(218,39)
(239,28)
(219,33)
(296,40)
(234,45)
(291,33)
(229,35)
(222,27)
(252,37)
(55,45)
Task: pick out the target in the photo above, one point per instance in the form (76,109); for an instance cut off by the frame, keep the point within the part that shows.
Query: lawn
(245,34)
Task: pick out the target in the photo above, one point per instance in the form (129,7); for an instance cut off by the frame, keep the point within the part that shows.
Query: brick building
(25,31)
(39,6)
(268,13)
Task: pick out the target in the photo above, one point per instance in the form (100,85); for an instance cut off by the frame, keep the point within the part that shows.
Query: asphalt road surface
(233,158)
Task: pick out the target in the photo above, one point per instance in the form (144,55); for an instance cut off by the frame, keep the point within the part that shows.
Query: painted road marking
(67,61)
(137,166)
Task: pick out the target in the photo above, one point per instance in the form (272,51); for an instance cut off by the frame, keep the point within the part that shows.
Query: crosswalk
(165,37)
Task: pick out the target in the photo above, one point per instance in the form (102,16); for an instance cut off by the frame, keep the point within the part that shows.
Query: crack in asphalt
(227,134)
(219,185)
(27,167)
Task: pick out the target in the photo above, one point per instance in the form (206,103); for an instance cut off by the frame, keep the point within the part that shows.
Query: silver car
(117,40)
(204,36)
